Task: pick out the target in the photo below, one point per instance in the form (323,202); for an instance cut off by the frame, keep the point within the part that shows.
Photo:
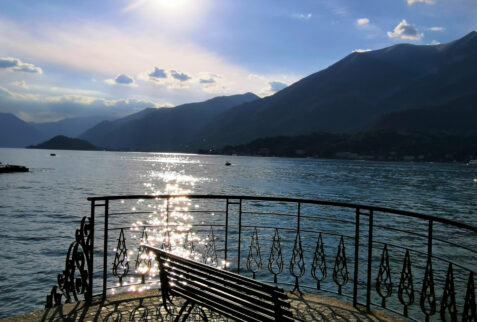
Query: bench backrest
(235,296)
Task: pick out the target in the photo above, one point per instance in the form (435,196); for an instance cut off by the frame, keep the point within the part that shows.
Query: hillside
(164,129)
(15,133)
(355,92)
(61,142)
(70,127)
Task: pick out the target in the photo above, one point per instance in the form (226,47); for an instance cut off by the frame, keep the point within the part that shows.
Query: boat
(227,163)
(472,162)
(53,154)
(9,168)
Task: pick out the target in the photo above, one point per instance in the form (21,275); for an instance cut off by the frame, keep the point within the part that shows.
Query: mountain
(61,142)
(71,127)
(164,129)
(352,94)
(15,133)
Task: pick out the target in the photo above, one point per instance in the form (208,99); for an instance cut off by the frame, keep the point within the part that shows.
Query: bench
(231,295)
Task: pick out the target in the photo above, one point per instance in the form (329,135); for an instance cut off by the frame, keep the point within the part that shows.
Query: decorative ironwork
(297,262)
(384,284)
(340,270)
(469,313)
(143,261)
(114,316)
(75,278)
(318,267)
(406,286)
(254,258)
(189,244)
(275,260)
(210,251)
(448,304)
(428,297)
(121,261)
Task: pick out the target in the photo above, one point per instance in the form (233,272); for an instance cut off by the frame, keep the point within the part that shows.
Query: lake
(40,210)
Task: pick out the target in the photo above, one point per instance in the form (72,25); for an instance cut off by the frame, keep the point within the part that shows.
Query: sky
(62,59)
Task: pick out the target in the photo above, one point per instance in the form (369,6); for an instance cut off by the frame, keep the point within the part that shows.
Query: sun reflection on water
(168,225)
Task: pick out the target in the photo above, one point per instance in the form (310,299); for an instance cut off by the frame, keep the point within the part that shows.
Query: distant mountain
(355,92)
(71,127)
(61,142)
(15,133)
(164,129)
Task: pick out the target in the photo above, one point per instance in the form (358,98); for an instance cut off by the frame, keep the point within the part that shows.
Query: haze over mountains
(402,87)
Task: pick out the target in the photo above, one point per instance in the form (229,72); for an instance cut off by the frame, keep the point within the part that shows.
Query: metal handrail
(362,229)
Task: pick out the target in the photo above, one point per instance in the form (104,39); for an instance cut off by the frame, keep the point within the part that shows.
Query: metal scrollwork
(210,251)
(121,261)
(469,313)
(406,286)
(189,244)
(275,260)
(114,316)
(428,297)
(254,258)
(139,314)
(143,261)
(448,304)
(384,284)
(340,270)
(318,267)
(75,278)
(297,262)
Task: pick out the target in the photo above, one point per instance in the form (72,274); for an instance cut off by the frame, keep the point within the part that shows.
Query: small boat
(9,168)
(227,163)
(53,154)
(472,162)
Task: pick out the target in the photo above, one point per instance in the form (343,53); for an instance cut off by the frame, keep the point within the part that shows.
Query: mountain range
(402,87)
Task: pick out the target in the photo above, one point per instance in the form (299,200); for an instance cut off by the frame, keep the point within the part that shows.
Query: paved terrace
(147,306)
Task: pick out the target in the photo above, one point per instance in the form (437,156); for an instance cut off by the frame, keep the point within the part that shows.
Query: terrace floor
(147,306)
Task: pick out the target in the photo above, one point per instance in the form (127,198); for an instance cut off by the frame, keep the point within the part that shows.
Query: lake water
(40,210)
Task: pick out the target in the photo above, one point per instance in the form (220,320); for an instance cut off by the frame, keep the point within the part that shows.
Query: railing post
(89,296)
(370,261)
(167,225)
(239,236)
(226,231)
(356,257)
(105,251)
(429,239)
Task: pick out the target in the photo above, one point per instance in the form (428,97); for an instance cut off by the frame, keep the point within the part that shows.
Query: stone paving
(147,306)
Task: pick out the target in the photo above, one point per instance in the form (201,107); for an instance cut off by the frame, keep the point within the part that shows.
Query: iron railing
(415,265)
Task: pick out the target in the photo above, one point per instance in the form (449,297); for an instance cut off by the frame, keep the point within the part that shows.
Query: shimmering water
(40,210)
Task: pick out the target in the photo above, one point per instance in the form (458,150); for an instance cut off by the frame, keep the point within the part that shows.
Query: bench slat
(226,274)
(248,303)
(227,284)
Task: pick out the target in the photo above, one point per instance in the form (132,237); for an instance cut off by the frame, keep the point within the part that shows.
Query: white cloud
(21,84)
(405,31)
(437,28)
(361,50)
(435,42)
(302,16)
(277,86)
(15,64)
(362,21)
(158,73)
(411,2)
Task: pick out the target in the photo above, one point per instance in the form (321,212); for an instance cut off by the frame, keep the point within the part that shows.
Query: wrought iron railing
(411,264)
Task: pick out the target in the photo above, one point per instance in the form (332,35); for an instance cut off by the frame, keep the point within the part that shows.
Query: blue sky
(112,57)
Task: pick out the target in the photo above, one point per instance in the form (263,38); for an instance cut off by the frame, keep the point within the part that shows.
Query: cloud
(361,50)
(21,84)
(411,2)
(124,79)
(435,42)
(15,64)
(302,16)
(362,21)
(158,73)
(53,108)
(277,86)
(437,28)
(207,81)
(180,76)
(405,31)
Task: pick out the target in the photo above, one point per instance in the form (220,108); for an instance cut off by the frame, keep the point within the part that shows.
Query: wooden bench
(231,295)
